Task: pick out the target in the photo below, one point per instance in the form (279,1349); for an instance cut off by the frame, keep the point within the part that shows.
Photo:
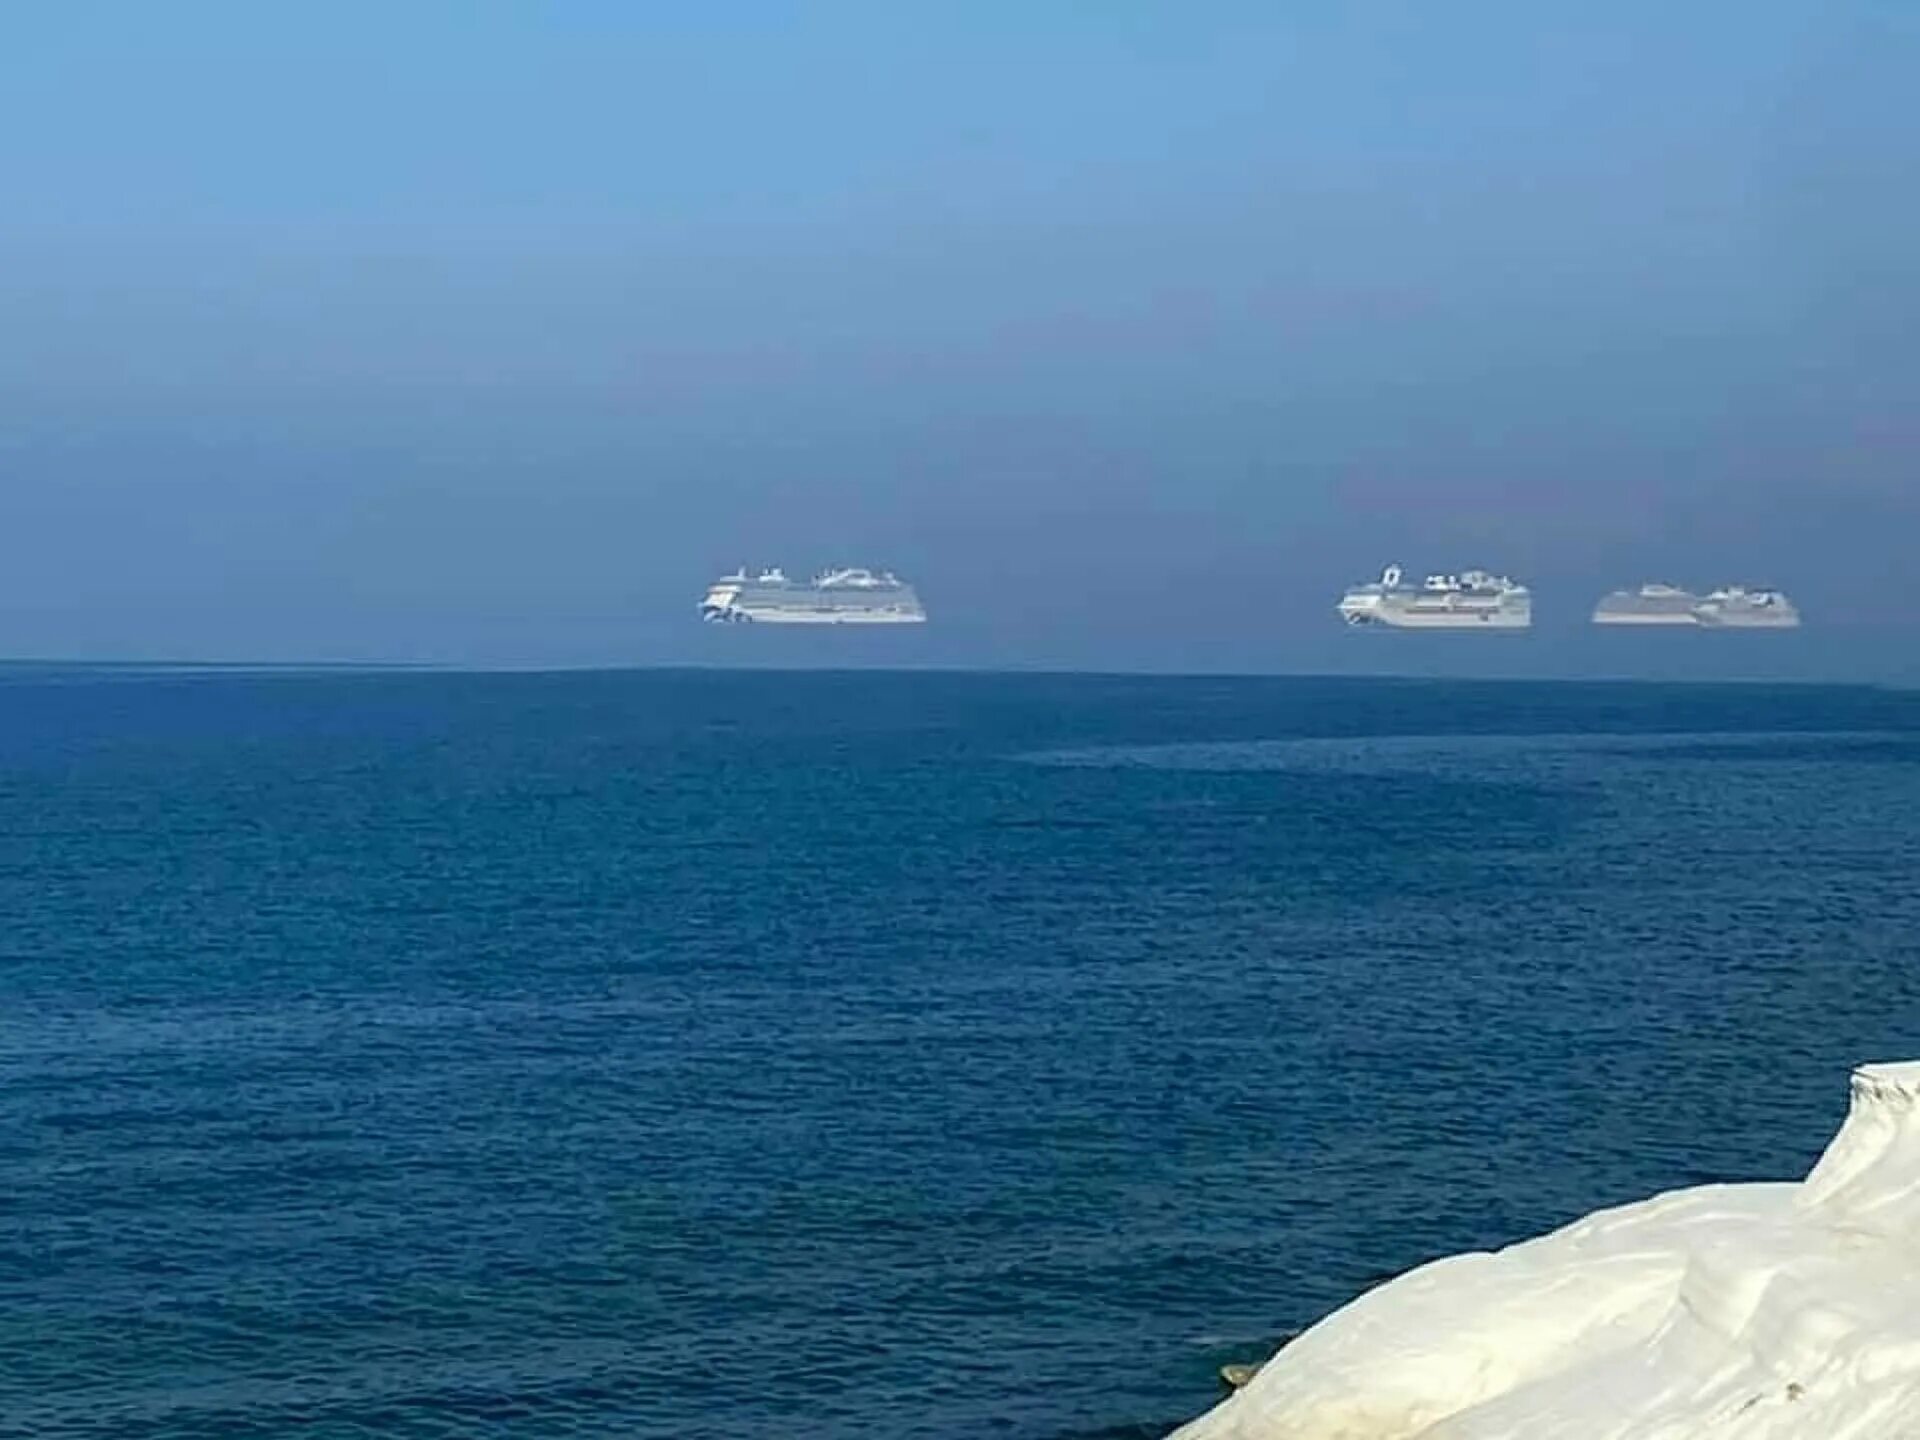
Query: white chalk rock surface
(1728,1312)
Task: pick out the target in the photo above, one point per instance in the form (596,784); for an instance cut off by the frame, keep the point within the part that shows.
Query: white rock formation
(1728,1312)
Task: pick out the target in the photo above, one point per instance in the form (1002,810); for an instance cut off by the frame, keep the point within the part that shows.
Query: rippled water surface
(875,1055)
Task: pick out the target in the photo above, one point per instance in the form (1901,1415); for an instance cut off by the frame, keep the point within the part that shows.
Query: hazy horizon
(487,336)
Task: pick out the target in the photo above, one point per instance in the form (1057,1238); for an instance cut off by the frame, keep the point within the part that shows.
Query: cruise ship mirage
(1731,608)
(835,597)
(1737,608)
(1471,600)
(1649,605)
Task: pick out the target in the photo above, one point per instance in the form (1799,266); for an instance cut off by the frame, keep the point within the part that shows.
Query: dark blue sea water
(758,1055)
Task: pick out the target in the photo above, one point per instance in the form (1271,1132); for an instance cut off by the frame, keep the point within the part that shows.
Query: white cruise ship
(1649,605)
(1736,608)
(837,597)
(1732,608)
(1471,600)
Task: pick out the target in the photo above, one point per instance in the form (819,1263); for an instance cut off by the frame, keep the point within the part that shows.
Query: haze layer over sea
(834,1055)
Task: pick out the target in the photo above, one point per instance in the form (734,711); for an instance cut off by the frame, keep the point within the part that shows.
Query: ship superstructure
(1732,608)
(1470,600)
(1649,605)
(835,597)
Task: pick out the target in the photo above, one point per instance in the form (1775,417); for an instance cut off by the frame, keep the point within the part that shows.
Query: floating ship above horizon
(1470,600)
(850,596)
(1732,608)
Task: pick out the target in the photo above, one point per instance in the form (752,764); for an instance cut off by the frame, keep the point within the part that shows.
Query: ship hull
(804,617)
(1712,621)
(1389,619)
(1683,620)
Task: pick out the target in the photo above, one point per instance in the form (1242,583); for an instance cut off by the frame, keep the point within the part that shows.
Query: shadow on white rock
(1750,1312)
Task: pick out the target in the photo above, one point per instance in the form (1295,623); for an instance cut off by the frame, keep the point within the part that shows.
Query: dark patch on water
(1795,750)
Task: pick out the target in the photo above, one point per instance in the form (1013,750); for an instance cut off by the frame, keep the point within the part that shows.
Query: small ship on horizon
(1471,600)
(1733,607)
(849,596)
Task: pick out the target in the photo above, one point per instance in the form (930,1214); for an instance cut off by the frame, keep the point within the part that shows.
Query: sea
(836,1055)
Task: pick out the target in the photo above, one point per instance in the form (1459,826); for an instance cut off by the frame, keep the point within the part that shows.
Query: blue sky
(488,332)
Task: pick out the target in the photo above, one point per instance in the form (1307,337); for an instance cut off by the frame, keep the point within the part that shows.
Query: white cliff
(1728,1312)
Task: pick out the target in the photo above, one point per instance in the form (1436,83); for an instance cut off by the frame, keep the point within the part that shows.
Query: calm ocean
(875,1055)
